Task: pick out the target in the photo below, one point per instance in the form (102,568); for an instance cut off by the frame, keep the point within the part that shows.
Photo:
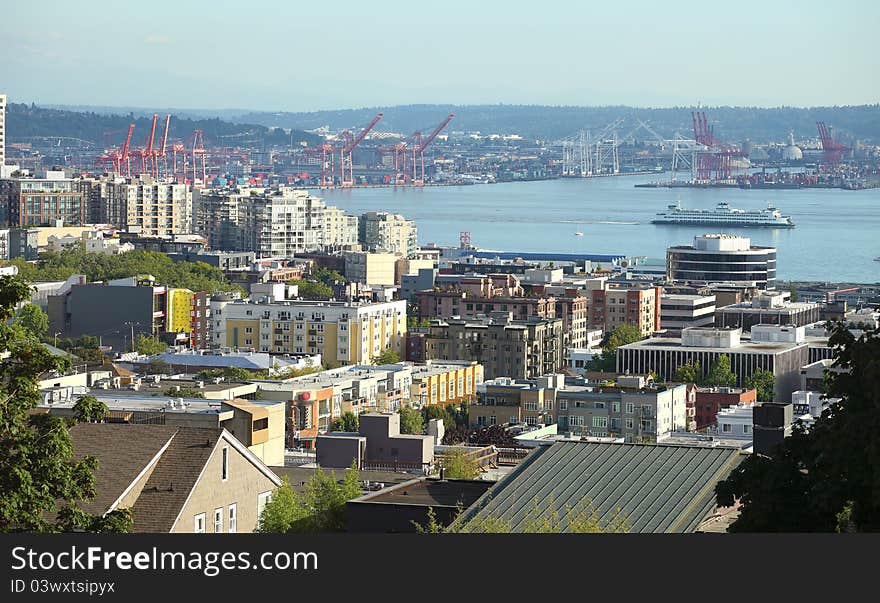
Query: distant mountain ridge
(28,121)
(733,124)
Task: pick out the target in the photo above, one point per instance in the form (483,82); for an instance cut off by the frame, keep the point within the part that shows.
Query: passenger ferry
(723,215)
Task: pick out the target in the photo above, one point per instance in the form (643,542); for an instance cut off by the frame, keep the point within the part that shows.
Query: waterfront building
(722,258)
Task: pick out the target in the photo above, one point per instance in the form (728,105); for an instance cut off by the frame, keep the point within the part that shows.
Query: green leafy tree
(435,411)
(411,421)
(89,409)
(824,479)
(795,296)
(622,335)
(235,373)
(321,508)
(765,383)
(183,392)
(720,374)
(387,357)
(314,290)
(347,422)
(41,483)
(689,373)
(458,464)
(147,345)
(32,318)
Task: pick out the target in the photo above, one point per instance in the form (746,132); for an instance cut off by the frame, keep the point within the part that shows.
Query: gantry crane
(418,151)
(348,145)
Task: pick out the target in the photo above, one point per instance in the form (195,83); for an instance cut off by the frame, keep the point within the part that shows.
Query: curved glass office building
(722,258)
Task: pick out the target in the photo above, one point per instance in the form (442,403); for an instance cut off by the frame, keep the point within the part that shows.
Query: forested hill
(26,121)
(731,123)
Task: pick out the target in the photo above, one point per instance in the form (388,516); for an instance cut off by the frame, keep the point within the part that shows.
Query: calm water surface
(836,237)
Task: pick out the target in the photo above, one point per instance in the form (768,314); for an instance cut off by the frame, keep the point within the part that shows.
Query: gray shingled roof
(123,451)
(656,488)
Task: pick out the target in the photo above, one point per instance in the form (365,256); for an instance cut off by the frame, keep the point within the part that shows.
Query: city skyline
(385,54)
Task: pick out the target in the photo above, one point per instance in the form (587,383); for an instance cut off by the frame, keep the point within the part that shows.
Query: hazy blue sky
(319,54)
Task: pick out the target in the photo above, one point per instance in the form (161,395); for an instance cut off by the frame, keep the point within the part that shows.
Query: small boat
(580,234)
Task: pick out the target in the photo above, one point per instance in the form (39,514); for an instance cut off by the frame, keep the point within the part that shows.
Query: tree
(89,409)
(312,289)
(32,318)
(720,374)
(435,411)
(689,373)
(622,335)
(236,373)
(824,479)
(583,518)
(387,357)
(411,421)
(320,508)
(148,345)
(795,296)
(765,384)
(348,422)
(41,484)
(458,464)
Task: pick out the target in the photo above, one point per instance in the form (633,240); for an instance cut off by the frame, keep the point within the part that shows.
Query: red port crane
(146,153)
(832,152)
(419,146)
(116,157)
(715,161)
(349,145)
(160,153)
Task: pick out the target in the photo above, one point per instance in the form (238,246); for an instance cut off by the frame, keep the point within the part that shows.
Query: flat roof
(123,400)
(745,347)
(431,491)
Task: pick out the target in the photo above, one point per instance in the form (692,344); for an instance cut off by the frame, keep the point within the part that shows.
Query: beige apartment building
(342,332)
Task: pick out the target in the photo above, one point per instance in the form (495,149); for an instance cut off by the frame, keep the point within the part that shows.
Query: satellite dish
(624,264)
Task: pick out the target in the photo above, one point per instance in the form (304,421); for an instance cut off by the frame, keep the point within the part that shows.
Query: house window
(199,527)
(233,518)
(630,408)
(224,470)
(615,407)
(218,520)
(492,420)
(481,421)
(725,427)
(747,428)
(629,423)
(263,499)
(600,422)
(563,405)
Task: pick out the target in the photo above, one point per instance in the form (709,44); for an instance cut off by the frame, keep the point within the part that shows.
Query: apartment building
(2,130)
(711,400)
(277,223)
(342,332)
(631,407)
(148,206)
(631,304)
(391,233)
(504,345)
(370,268)
(42,201)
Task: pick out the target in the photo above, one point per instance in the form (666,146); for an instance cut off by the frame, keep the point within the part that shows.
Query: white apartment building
(735,422)
(342,332)
(340,229)
(679,312)
(392,233)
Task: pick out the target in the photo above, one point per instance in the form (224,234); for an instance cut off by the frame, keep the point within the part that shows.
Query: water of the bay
(836,238)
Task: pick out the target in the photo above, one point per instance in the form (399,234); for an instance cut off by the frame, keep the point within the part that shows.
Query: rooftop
(656,488)
(431,492)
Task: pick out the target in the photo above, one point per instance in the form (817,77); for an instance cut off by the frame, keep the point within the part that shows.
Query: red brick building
(712,399)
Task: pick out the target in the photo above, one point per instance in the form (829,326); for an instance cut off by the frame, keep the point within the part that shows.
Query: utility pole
(131,325)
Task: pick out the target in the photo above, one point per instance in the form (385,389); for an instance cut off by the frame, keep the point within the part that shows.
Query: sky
(306,56)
